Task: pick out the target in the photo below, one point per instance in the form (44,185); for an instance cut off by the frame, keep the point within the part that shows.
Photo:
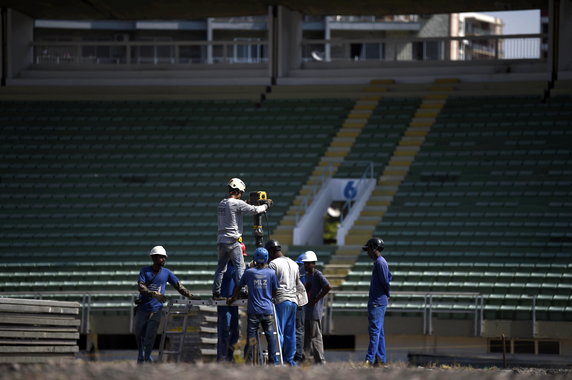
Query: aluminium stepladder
(181,307)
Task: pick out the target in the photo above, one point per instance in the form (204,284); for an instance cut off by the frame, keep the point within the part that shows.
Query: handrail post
(87,327)
(430,315)
(131,312)
(331,325)
(82,319)
(534,316)
(476,314)
(482,315)
(425,315)
(329,313)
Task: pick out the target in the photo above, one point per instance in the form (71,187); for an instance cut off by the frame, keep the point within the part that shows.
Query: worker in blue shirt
(262,285)
(377,302)
(151,284)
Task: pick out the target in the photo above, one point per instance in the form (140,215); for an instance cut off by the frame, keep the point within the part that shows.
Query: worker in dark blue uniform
(377,302)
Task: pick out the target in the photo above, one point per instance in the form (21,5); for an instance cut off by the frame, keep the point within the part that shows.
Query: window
(495,346)
(428,51)
(360,52)
(154,54)
(524,347)
(541,347)
(248,53)
(549,348)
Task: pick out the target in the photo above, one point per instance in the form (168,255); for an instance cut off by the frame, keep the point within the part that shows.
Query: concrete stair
(328,165)
(390,180)
(341,263)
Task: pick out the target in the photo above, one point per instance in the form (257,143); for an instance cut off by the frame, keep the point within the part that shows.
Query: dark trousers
(146,326)
(267,323)
(227,328)
(299,357)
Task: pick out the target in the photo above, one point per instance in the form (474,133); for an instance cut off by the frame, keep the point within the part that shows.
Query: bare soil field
(81,370)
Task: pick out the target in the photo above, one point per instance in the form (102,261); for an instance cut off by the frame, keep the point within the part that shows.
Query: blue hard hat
(300,259)
(261,255)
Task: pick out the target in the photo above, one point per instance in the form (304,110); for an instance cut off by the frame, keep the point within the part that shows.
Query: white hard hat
(237,184)
(158,250)
(310,257)
(334,212)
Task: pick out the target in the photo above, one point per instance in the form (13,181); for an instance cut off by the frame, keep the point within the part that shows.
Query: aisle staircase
(339,148)
(388,183)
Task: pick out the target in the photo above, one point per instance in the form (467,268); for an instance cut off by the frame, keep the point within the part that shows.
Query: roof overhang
(193,9)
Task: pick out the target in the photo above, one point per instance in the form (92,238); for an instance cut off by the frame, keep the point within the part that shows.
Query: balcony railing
(523,46)
(499,47)
(149,52)
(370,19)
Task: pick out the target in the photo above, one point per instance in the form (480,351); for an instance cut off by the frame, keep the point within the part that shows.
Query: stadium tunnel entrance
(350,193)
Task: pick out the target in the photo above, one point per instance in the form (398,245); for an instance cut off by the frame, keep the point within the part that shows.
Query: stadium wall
(455,337)
(405,336)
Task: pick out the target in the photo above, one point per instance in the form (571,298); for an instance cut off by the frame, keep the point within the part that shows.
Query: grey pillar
(565,35)
(210,39)
(3,46)
(285,41)
(20,35)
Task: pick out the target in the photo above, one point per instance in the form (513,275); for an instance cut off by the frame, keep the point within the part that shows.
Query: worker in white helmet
(230,213)
(317,287)
(151,283)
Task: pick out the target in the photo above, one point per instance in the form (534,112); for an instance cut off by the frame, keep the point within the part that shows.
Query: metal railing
(462,48)
(149,52)
(367,174)
(374,19)
(426,306)
(470,303)
(314,188)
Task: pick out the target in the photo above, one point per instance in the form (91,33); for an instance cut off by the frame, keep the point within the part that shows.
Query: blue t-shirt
(228,284)
(302,273)
(314,283)
(155,283)
(261,282)
(379,285)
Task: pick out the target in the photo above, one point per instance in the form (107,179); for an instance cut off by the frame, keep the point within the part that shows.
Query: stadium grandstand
(122,121)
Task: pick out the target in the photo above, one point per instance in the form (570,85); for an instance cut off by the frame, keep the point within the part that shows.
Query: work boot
(367,364)
(217,297)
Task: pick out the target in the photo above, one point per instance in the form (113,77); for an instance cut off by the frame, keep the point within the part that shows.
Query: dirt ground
(81,370)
